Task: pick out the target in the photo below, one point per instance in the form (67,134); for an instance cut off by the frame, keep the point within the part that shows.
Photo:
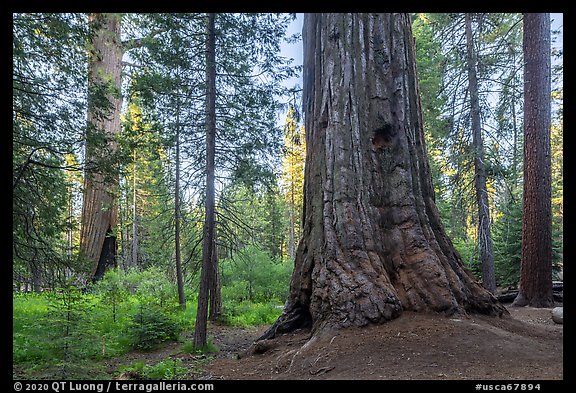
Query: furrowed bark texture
(373,244)
(536,269)
(99,209)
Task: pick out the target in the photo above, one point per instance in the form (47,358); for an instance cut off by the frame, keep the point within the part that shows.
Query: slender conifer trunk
(484,232)
(179,277)
(200,331)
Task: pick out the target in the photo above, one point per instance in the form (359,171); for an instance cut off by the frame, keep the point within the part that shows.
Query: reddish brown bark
(373,244)
(100,210)
(536,269)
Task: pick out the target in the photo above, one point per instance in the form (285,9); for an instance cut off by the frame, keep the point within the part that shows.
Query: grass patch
(32,329)
(251,314)
(166,369)
(210,347)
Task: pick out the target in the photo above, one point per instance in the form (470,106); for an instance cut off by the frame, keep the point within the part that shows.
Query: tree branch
(139,42)
(129,64)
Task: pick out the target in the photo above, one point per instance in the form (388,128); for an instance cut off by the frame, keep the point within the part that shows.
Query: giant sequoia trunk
(99,210)
(373,244)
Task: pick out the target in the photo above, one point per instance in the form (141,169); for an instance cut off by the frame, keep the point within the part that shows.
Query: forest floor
(525,345)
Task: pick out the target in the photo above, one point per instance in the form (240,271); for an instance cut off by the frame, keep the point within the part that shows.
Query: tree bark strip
(215,291)
(536,268)
(134,253)
(179,278)
(373,244)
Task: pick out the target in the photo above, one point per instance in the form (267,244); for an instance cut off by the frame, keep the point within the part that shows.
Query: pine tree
(47,96)
(484,222)
(496,44)
(208,272)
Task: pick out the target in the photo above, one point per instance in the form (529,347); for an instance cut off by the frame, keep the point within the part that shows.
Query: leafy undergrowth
(251,314)
(165,369)
(75,334)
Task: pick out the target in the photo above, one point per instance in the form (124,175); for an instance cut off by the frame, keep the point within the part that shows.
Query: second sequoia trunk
(100,209)
(373,244)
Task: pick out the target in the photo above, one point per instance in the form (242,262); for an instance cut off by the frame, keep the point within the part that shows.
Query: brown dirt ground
(526,345)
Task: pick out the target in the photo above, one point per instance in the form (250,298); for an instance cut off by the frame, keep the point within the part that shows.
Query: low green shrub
(253,275)
(151,326)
